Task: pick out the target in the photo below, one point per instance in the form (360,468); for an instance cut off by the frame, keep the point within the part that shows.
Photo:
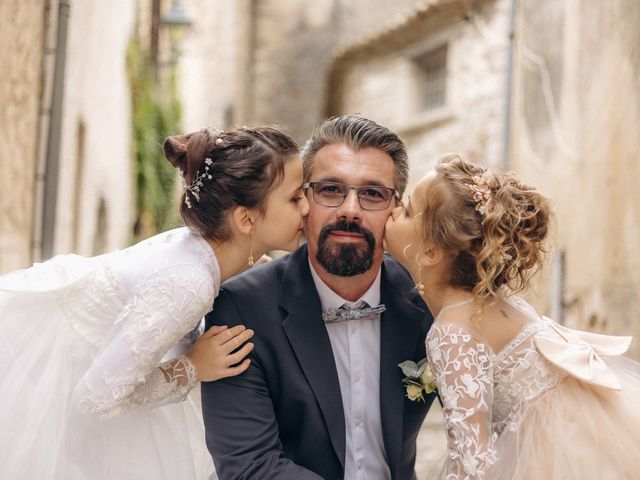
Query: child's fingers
(215,330)
(234,358)
(233,371)
(229,334)
(236,342)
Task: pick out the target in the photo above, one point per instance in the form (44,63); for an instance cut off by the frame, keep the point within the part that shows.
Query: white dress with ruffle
(93,381)
(553,404)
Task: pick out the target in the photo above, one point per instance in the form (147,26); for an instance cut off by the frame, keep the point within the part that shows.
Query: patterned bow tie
(345,313)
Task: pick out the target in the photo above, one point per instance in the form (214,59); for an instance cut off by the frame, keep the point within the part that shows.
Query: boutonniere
(418,379)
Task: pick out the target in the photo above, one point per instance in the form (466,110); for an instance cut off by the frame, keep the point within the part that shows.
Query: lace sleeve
(128,373)
(462,369)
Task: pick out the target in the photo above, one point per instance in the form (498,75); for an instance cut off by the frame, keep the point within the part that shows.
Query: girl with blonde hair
(523,396)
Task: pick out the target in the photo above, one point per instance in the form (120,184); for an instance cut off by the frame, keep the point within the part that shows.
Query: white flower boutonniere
(418,379)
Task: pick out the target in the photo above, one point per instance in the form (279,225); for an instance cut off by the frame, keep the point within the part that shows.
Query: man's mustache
(349,227)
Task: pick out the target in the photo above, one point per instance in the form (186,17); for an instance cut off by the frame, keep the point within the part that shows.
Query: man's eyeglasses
(370,197)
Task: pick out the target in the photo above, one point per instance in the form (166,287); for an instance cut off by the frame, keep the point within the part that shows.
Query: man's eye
(372,193)
(330,189)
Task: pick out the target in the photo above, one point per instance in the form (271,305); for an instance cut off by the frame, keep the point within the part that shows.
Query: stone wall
(209,63)
(293,44)
(94,188)
(576,119)
(378,81)
(268,61)
(95,192)
(575,114)
(21,55)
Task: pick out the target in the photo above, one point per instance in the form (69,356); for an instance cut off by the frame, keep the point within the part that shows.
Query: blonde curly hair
(499,245)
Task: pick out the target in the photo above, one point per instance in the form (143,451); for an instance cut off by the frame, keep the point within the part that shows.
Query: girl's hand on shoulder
(217,353)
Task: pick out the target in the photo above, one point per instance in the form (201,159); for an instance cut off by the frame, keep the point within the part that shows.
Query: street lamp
(177,22)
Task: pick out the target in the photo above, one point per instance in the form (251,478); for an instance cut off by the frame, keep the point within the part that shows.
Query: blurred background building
(548,88)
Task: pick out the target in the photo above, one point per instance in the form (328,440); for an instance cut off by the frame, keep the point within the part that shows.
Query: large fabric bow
(580,353)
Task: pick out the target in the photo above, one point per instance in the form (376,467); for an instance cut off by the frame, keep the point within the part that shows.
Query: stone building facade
(65,185)
(212,51)
(557,101)
(559,105)
(574,131)
(95,192)
(268,61)
(437,77)
(547,88)
(22,37)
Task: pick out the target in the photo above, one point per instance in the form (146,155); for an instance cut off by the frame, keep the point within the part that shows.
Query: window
(432,78)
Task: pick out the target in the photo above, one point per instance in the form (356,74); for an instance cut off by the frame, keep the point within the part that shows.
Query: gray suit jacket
(283,417)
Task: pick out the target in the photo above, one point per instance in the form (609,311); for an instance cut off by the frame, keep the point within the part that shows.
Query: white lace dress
(553,404)
(93,381)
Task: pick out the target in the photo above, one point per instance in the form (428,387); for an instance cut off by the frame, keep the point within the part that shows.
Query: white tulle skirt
(578,431)
(574,431)
(42,434)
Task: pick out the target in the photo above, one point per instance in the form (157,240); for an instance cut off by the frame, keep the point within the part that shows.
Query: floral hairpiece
(481,192)
(198,182)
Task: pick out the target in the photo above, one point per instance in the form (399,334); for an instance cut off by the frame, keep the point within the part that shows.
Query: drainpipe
(52,155)
(507,108)
(48,70)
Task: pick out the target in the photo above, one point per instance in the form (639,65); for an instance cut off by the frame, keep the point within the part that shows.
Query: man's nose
(350,208)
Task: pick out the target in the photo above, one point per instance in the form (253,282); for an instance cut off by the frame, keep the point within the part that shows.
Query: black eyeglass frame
(394,193)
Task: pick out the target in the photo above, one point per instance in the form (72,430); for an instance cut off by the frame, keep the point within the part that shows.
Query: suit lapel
(400,327)
(310,342)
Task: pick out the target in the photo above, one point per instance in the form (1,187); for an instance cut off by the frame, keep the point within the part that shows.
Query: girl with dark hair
(99,354)
(523,397)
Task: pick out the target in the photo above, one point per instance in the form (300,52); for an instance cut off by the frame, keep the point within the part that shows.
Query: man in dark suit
(323,397)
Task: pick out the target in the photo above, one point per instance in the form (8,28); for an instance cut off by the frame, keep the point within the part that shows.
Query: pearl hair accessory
(198,182)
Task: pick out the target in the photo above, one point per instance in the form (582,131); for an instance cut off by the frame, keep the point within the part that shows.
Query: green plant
(156,114)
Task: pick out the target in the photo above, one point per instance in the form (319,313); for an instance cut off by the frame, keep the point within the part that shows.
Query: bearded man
(323,397)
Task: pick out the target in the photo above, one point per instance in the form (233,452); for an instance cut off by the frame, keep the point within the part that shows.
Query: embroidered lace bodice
(484,392)
(136,312)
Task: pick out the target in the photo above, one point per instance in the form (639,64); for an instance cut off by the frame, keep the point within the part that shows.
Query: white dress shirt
(356,350)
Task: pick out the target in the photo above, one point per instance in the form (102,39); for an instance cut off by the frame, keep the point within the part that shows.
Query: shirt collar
(330,299)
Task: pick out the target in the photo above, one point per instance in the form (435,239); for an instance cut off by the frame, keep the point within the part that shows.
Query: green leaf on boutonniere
(409,368)
(422,366)
(409,381)
(418,379)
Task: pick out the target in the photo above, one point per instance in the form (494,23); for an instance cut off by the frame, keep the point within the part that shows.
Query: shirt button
(356,378)
(354,328)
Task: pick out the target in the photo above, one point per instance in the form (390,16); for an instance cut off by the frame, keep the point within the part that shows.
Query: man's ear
(431,256)
(243,219)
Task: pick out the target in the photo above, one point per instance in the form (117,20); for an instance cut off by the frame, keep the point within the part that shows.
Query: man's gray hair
(358,133)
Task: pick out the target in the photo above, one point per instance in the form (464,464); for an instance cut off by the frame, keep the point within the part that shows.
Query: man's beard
(345,260)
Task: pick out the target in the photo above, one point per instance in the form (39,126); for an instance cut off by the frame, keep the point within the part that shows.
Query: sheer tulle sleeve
(128,373)
(462,368)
